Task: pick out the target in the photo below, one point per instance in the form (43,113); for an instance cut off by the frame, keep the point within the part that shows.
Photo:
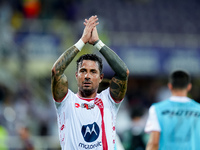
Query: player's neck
(181,93)
(85,95)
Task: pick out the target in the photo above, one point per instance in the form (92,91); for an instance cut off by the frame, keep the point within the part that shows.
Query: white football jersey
(87,123)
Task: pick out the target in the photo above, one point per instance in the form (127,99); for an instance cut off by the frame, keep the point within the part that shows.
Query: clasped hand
(90,34)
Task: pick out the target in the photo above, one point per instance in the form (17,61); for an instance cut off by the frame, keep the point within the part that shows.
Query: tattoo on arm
(59,83)
(65,59)
(118,84)
(115,62)
(59,87)
(118,88)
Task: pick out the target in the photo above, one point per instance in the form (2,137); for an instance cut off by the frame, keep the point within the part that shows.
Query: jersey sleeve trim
(117,102)
(152,121)
(62,98)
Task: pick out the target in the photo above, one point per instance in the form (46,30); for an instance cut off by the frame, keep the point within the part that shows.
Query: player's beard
(88,92)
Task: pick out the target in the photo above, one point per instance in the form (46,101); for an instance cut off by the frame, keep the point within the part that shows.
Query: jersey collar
(180,99)
(85,99)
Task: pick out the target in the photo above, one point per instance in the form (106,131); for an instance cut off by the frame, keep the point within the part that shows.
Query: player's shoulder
(195,103)
(106,97)
(70,95)
(103,92)
(161,103)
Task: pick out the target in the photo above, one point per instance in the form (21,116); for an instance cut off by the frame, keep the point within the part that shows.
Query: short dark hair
(179,79)
(92,57)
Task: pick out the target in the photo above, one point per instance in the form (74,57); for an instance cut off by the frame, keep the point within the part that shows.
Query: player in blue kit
(174,124)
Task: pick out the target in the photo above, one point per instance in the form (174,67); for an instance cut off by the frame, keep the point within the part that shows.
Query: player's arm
(153,143)
(118,84)
(59,82)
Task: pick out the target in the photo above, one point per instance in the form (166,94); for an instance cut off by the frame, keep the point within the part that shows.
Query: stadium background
(153,37)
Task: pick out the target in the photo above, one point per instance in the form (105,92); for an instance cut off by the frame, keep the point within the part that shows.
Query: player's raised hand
(94,37)
(89,26)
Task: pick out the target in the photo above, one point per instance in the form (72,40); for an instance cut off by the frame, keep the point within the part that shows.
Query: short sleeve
(152,121)
(108,100)
(60,104)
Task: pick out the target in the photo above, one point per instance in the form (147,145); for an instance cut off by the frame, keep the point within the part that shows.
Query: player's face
(88,77)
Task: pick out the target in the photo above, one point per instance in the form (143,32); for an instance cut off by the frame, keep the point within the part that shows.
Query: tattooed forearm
(64,60)
(118,66)
(59,83)
(118,88)
(59,86)
(118,84)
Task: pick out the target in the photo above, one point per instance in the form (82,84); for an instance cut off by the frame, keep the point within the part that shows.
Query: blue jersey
(180,125)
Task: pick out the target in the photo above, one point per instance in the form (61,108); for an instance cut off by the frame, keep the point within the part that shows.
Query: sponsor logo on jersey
(187,113)
(77,105)
(90,146)
(90,132)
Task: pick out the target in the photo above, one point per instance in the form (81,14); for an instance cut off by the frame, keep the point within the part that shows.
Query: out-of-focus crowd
(27,112)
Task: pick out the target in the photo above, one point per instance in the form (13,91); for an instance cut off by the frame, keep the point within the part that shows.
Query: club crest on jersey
(85,105)
(90,132)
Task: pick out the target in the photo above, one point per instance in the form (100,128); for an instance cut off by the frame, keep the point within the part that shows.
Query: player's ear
(101,77)
(170,86)
(189,87)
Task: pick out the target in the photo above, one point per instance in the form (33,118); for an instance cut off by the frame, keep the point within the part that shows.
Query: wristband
(79,45)
(99,45)
(96,42)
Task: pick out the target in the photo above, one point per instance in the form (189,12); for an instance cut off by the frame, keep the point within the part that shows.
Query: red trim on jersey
(99,103)
(85,99)
(62,98)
